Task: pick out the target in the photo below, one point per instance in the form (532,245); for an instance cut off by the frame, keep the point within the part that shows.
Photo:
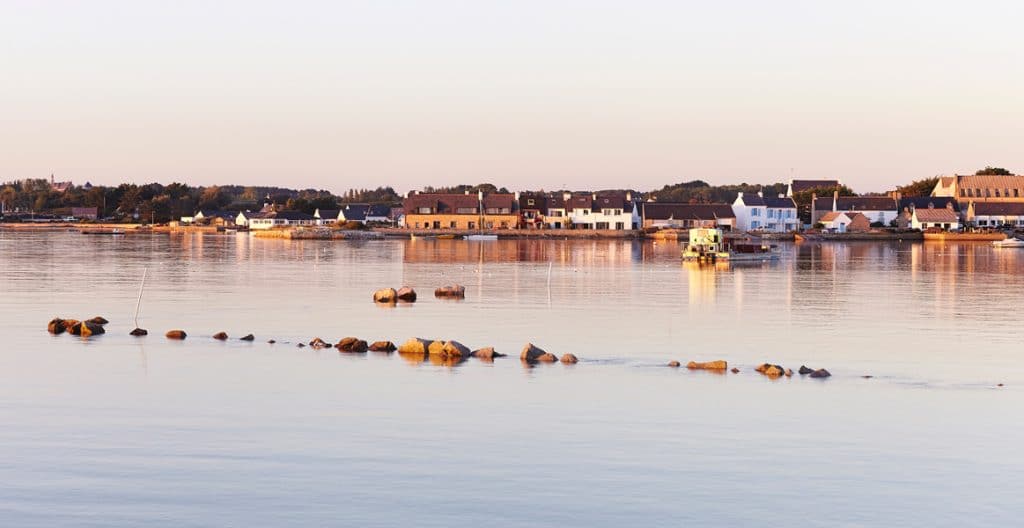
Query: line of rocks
(86,328)
(408,295)
(768,369)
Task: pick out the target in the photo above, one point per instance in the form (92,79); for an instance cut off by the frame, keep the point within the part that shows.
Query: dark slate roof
(806,185)
(556,201)
(211,213)
(291,215)
(685,211)
(379,210)
(998,209)
(612,201)
(779,203)
(922,202)
(499,201)
(580,201)
(856,203)
(328,213)
(540,202)
(355,211)
(751,199)
(441,203)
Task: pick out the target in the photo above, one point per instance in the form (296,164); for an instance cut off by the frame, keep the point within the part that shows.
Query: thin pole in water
(138,304)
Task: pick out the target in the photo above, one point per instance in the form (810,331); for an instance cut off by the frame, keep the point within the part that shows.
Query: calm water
(120,431)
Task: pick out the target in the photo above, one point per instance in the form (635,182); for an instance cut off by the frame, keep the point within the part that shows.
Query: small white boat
(481,237)
(1009,243)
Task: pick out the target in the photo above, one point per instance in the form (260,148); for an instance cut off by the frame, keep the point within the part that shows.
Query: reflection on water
(123,431)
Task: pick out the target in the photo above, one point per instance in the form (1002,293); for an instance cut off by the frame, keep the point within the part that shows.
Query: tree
(918,187)
(993,171)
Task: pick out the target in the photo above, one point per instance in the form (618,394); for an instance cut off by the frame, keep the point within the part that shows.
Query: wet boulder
(406,294)
(534,354)
(772,371)
(351,344)
(455,291)
(416,345)
(454,349)
(789,373)
(382,346)
(674,364)
(220,336)
(86,329)
(98,320)
(486,353)
(708,365)
(247,337)
(803,371)
(569,359)
(176,334)
(385,296)
(319,343)
(55,326)
(139,332)
(69,324)
(735,370)
(820,373)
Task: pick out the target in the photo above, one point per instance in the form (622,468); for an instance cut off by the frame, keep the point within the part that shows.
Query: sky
(528,95)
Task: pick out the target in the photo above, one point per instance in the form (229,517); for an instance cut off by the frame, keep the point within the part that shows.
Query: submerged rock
(406,294)
(804,370)
(387,295)
(55,326)
(708,365)
(382,346)
(247,337)
(772,371)
(69,324)
(416,345)
(271,341)
(569,359)
(451,292)
(98,320)
(87,329)
(486,353)
(139,332)
(351,344)
(533,353)
(319,343)
(453,349)
(674,364)
(735,370)
(220,336)
(820,373)
(176,334)
(789,373)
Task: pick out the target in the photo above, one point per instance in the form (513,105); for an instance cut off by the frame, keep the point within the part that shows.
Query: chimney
(835,200)
(467,192)
(479,195)
(517,196)
(814,198)
(629,196)
(566,196)
(781,195)
(760,194)
(593,196)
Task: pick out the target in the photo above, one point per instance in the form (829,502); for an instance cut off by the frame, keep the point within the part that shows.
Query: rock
(735,370)
(387,295)
(486,353)
(820,373)
(867,376)
(406,294)
(454,349)
(55,326)
(708,365)
(319,343)
(532,353)
(547,357)
(301,345)
(70,323)
(569,359)
(351,344)
(248,337)
(382,346)
(772,371)
(98,320)
(674,364)
(451,292)
(416,345)
(271,341)
(804,370)
(139,332)
(220,336)
(87,329)
(789,373)
(176,334)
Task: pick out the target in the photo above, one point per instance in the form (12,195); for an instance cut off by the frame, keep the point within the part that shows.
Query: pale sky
(583,94)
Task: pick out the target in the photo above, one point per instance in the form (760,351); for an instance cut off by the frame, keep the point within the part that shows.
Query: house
(614,211)
(982,188)
(325,216)
(460,211)
(378,214)
(85,213)
(881,209)
(908,205)
(754,212)
(354,212)
(281,219)
(995,214)
(396,216)
(661,215)
(242,219)
(212,217)
(845,222)
(797,186)
(532,208)
(944,218)
(60,187)
(556,215)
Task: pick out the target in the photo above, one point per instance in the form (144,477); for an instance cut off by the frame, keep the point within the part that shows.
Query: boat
(448,237)
(481,237)
(103,231)
(1008,243)
(710,245)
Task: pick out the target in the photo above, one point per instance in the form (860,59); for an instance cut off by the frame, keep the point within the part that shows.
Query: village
(956,204)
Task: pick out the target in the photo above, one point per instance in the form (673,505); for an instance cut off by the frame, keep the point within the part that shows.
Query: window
(997,193)
(755,224)
(451,224)
(586,212)
(529,201)
(466,210)
(1016,193)
(977,193)
(424,210)
(755,212)
(963,193)
(472,225)
(1006,193)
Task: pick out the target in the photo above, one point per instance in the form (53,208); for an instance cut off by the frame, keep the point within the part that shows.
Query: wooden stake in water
(138,304)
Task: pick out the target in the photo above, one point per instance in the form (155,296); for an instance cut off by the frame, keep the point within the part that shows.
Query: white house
(881,209)
(995,214)
(615,211)
(943,218)
(754,212)
(281,219)
(326,216)
(842,222)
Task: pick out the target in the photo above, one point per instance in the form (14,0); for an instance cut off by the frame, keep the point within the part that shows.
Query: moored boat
(1008,243)
(709,245)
